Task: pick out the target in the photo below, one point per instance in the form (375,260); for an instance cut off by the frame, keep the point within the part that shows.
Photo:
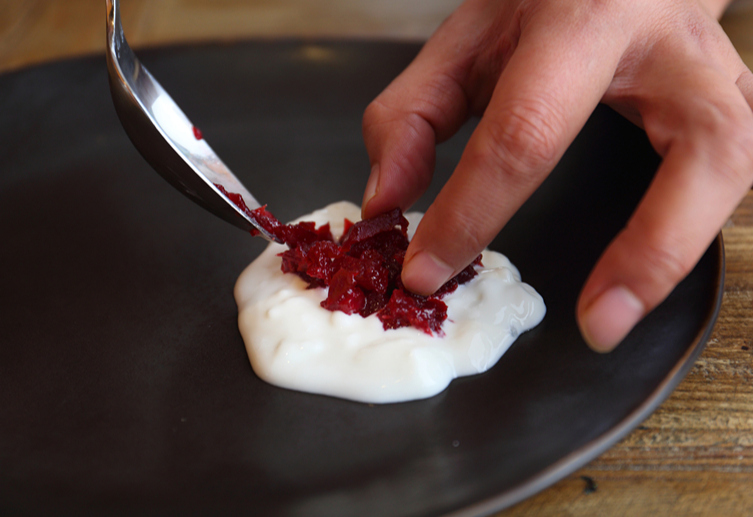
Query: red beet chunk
(423,313)
(464,276)
(264,218)
(362,270)
(388,244)
(373,273)
(303,233)
(316,263)
(368,228)
(375,302)
(237,199)
(269,222)
(347,225)
(344,295)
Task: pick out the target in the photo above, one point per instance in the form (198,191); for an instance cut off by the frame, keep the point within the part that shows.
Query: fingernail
(610,318)
(424,273)
(371,186)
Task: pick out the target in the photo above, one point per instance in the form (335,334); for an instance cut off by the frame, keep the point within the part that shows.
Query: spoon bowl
(165,136)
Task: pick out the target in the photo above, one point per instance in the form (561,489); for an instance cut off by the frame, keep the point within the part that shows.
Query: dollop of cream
(294,343)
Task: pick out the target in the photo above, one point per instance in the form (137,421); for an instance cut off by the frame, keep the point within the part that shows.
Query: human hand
(536,69)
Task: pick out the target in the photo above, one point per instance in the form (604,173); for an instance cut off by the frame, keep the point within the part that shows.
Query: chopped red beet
(344,293)
(408,310)
(197,133)
(362,270)
(261,216)
(348,224)
(364,230)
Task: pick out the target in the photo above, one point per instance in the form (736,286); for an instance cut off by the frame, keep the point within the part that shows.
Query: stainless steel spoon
(165,137)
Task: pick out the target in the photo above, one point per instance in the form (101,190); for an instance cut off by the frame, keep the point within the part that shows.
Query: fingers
(707,132)
(400,129)
(547,77)
(543,97)
(425,105)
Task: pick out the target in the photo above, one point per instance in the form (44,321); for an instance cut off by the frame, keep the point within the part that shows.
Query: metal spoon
(165,137)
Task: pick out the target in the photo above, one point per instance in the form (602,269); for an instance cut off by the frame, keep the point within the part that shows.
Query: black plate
(124,383)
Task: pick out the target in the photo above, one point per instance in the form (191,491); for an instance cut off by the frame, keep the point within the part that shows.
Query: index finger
(551,85)
(426,104)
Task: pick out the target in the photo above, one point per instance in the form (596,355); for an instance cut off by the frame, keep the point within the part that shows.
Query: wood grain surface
(694,455)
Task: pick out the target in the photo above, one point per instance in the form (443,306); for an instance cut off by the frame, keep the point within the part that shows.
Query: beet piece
(404,310)
(347,225)
(375,302)
(237,199)
(344,295)
(367,228)
(269,222)
(466,275)
(324,259)
(293,261)
(370,274)
(260,215)
(315,263)
(447,288)
(387,243)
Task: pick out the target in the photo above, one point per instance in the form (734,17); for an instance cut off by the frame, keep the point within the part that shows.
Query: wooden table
(694,456)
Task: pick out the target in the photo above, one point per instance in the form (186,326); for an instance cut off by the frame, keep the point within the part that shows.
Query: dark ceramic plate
(124,384)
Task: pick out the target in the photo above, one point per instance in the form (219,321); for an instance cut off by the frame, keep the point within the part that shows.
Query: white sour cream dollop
(294,343)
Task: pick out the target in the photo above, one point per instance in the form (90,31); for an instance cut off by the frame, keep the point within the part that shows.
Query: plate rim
(596,447)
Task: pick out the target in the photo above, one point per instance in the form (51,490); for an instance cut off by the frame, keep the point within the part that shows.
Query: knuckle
(376,113)
(665,259)
(440,101)
(525,139)
(714,118)
(383,117)
(469,225)
(730,132)
(469,236)
(740,165)
(706,117)
(382,122)
(668,262)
